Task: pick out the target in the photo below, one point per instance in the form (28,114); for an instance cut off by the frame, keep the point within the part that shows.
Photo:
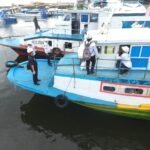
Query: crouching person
(125,61)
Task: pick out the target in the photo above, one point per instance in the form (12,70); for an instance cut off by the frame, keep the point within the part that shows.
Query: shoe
(92,72)
(36,84)
(88,73)
(38,80)
(50,64)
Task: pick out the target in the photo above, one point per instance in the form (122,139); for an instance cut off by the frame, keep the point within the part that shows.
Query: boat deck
(65,68)
(22,77)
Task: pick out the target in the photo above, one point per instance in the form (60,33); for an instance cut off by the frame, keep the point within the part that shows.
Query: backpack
(86,52)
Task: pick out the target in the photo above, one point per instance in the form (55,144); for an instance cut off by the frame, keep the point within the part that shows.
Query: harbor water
(30,121)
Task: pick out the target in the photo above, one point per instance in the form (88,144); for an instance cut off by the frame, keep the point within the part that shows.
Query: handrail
(63,31)
(97,67)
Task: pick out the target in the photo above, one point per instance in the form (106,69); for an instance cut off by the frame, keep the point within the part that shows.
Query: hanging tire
(61,101)
(10,64)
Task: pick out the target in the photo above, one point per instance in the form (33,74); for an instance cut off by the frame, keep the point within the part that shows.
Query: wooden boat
(105,90)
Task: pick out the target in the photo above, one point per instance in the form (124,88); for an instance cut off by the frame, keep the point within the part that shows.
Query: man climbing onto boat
(125,64)
(47,49)
(93,52)
(36,24)
(84,31)
(33,64)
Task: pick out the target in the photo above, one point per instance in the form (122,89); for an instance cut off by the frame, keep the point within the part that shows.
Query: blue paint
(145,51)
(139,63)
(52,35)
(128,24)
(135,51)
(23,78)
(84,18)
(11,42)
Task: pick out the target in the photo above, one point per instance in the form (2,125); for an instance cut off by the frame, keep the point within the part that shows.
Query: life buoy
(10,64)
(61,101)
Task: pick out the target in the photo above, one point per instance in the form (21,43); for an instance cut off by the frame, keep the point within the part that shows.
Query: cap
(89,37)
(125,49)
(29,49)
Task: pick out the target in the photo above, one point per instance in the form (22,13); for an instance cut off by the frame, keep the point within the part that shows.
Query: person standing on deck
(94,55)
(125,64)
(36,24)
(33,64)
(47,49)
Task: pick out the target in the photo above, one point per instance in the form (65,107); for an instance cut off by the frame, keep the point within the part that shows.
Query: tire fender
(61,101)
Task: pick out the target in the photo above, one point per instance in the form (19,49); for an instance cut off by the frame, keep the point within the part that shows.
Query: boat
(121,15)
(6,18)
(105,90)
(28,14)
(65,32)
(61,43)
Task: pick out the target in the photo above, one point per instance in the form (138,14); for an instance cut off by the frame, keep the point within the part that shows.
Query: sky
(10,2)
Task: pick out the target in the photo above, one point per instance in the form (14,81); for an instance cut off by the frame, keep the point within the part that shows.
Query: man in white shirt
(94,55)
(31,47)
(47,50)
(126,63)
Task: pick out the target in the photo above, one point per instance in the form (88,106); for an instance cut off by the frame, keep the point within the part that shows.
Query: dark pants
(123,69)
(49,55)
(35,76)
(88,69)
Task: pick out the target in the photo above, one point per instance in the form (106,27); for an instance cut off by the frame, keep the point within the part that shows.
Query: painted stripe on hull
(133,113)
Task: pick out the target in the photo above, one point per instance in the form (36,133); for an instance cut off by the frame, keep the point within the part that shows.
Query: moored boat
(105,90)
(61,43)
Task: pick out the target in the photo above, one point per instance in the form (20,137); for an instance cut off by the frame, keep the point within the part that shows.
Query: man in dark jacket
(33,65)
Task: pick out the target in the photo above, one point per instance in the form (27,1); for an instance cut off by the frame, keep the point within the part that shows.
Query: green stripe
(139,114)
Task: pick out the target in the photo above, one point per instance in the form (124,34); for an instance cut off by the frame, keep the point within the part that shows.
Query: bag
(28,66)
(86,52)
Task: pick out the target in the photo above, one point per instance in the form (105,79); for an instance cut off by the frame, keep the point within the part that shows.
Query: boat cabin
(111,41)
(114,17)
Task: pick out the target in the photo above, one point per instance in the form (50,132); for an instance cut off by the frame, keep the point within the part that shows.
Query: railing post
(146,68)
(73,71)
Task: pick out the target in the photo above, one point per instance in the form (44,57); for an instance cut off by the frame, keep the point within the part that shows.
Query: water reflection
(87,128)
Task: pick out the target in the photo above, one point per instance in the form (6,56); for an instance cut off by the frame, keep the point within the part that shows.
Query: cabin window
(135,51)
(74,17)
(108,88)
(99,48)
(133,91)
(84,18)
(94,18)
(145,51)
(109,49)
(67,18)
(68,45)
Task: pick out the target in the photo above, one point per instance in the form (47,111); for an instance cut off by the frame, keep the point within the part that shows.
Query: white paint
(91,88)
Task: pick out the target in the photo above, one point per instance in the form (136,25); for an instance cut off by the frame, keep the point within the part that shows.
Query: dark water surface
(30,121)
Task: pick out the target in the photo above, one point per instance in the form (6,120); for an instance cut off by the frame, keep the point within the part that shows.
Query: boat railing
(64,31)
(100,70)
